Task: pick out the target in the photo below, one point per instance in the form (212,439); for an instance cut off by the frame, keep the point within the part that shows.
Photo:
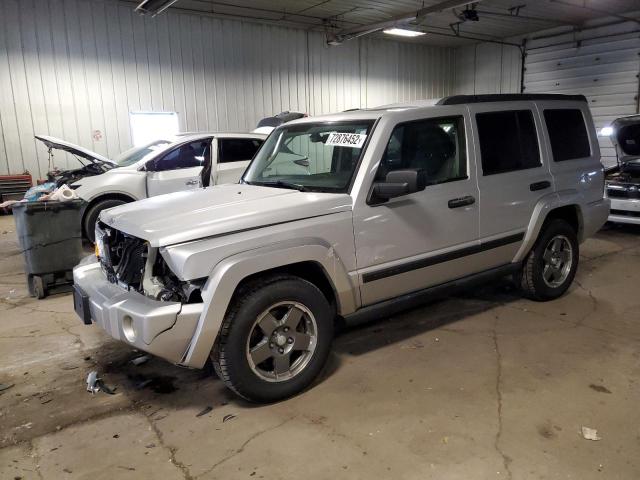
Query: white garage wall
(488,68)
(69,68)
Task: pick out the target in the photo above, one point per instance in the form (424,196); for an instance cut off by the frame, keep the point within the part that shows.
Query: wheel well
(309,271)
(107,196)
(570,214)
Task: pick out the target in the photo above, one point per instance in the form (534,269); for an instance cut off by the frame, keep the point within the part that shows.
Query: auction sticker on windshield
(353,140)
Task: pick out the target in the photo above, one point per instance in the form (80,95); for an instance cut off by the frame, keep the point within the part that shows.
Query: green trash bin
(50,238)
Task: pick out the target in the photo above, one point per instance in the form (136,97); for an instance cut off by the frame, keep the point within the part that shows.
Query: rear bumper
(164,329)
(625,211)
(595,216)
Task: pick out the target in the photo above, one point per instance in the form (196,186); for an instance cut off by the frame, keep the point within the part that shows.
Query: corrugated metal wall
(74,69)
(488,68)
(602,63)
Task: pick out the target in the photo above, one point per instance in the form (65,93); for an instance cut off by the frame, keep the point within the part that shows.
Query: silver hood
(57,144)
(219,210)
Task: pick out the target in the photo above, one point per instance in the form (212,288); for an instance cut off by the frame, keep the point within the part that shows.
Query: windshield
(310,156)
(135,154)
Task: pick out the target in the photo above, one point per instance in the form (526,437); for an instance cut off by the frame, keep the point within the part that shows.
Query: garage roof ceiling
(498,19)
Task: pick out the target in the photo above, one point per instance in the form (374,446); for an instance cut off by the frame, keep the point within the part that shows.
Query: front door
(179,169)
(428,237)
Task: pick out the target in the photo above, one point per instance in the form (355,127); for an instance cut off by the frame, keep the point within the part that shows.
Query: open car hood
(626,137)
(77,150)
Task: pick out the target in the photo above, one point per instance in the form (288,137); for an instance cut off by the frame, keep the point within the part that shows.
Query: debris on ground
(95,384)
(5,386)
(590,434)
(204,411)
(143,383)
(157,383)
(140,360)
(228,417)
(413,346)
(599,388)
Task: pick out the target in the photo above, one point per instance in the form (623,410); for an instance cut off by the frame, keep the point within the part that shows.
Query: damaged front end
(128,290)
(134,265)
(91,163)
(623,180)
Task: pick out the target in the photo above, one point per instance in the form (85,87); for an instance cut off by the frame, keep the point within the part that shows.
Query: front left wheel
(275,338)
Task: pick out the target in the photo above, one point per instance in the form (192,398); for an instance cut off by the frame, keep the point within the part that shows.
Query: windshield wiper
(282,184)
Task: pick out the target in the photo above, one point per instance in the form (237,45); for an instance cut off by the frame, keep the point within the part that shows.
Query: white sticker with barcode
(353,140)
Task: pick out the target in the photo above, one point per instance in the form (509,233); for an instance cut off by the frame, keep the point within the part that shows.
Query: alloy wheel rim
(282,341)
(557,261)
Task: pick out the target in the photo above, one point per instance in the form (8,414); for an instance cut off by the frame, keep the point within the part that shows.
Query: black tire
(229,355)
(91,216)
(531,279)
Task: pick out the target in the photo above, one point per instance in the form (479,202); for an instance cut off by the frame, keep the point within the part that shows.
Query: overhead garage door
(603,64)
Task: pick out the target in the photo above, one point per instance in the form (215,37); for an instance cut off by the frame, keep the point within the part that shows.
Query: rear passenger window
(508,141)
(436,145)
(237,149)
(567,134)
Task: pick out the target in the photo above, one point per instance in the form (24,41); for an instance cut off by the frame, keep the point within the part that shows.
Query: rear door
(179,169)
(574,151)
(513,173)
(233,158)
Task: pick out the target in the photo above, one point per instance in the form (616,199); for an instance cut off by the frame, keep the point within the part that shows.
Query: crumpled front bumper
(164,329)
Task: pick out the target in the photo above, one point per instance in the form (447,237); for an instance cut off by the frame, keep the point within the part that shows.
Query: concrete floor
(484,385)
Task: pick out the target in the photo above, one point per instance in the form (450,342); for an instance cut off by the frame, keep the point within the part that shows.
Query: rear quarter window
(567,134)
(237,149)
(508,141)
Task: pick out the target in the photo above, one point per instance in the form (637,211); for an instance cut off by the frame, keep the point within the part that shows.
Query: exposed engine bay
(623,180)
(129,262)
(61,177)
(92,163)
(627,172)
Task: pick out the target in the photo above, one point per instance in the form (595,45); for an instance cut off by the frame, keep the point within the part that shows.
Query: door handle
(192,182)
(461,202)
(539,185)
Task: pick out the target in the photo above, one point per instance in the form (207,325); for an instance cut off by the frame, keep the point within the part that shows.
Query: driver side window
(194,154)
(435,145)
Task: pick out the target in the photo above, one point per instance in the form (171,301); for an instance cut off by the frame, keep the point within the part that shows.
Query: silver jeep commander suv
(349,215)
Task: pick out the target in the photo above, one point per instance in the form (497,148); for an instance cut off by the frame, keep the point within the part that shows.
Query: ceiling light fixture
(154,7)
(403,32)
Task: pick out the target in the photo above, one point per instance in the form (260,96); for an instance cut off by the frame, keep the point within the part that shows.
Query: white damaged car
(183,162)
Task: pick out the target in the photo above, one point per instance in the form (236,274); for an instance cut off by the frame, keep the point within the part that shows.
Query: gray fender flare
(228,273)
(540,212)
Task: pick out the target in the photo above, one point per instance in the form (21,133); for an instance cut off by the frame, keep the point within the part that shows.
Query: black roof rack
(507,97)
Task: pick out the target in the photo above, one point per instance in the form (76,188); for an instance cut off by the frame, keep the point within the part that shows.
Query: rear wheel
(551,265)
(275,338)
(91,217)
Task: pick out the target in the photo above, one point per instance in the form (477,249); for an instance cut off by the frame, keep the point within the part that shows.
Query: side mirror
(398,183)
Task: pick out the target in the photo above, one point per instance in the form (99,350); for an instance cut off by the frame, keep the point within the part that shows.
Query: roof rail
(507,97)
